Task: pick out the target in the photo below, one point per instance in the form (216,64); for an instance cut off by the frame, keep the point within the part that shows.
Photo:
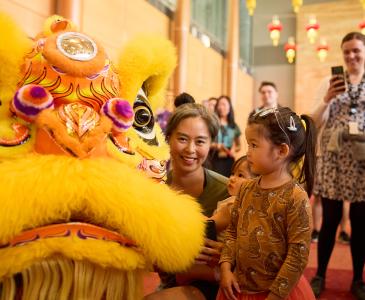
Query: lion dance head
(80,153)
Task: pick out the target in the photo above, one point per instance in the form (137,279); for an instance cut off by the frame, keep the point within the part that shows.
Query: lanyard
(353,94)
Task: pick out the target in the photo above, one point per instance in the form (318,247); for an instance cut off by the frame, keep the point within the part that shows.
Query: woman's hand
(229,283)
(210,254)
(336,87)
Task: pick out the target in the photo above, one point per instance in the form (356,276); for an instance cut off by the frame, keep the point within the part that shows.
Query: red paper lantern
(290,50)
(322,50)
(312,29)
(362,26)
(275,27)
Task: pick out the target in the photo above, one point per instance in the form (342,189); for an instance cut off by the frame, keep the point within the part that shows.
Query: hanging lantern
(251,5)
(290,49)
(322,50)
(296,5)
(362,26)
(275,27)
(312,29)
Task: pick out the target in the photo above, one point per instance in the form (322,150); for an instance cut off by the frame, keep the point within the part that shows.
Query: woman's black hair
(183,98)
(282,125)
(192,110)
(230,117)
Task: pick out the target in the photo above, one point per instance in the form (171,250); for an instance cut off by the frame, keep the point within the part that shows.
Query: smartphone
(210,230)
(338,71)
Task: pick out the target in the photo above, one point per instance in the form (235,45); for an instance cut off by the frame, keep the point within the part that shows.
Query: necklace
(354,95)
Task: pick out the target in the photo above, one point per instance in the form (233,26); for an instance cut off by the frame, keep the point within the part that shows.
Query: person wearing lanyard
(341,167)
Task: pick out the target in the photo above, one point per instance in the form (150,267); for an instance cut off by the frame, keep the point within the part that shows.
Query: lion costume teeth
(80,219)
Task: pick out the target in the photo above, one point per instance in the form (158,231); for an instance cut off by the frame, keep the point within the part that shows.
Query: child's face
(262,154)
(239,175)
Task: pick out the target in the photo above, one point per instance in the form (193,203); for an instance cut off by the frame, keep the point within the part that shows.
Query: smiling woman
(341,168)
(190,132)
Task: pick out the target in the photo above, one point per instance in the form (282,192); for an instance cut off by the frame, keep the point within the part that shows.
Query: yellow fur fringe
(14,44)
(146,61)
(40,190)
(65,279)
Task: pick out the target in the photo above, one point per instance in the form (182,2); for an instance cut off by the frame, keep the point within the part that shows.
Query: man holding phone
(341,163)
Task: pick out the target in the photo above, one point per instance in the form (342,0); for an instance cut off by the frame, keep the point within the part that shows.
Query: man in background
(269,96)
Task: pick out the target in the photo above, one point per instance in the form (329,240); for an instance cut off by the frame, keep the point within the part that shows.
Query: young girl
(205,267)
(240,172)
(267,241)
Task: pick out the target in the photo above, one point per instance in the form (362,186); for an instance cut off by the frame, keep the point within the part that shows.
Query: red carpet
(337,284)
(339,274)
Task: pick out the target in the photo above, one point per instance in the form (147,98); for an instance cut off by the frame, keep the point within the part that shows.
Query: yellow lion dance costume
(79,218)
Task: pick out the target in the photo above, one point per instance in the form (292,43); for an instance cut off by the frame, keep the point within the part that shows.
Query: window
(245,36)
(166,6)
(210,18)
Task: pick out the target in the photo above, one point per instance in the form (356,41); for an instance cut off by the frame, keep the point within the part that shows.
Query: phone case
(337,70)
(210,230)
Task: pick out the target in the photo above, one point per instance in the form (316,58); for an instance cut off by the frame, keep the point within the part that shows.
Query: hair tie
(303,123)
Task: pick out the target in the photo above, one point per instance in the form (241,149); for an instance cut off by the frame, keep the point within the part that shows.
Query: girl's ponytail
(309,164)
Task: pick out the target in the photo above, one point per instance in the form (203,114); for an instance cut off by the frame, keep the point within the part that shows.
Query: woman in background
(341,165)
(228,138)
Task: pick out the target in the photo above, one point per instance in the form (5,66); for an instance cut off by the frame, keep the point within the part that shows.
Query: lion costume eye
(144,121)
(142,116)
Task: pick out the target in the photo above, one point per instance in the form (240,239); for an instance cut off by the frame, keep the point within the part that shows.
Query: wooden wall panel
(205,71)
(282,76)
(336,18)
(114,24)
(29,14)
(243,105)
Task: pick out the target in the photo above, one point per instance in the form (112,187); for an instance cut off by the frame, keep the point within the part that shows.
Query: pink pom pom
(30,100)
(120,112)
